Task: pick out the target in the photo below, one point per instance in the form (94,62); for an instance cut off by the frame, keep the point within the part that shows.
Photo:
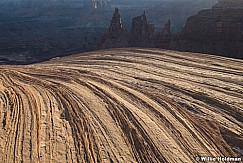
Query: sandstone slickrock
(122,106)
(216,31)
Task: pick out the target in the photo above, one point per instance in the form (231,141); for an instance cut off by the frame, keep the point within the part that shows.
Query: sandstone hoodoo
(141,32)
(164,37)
(116,36)
(217,31)
(116,29)
(166,30)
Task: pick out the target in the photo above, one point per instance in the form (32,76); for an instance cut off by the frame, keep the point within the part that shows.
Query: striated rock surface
(217,31)
(122,106)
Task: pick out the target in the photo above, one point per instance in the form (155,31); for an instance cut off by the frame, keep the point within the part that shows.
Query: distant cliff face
(217,31)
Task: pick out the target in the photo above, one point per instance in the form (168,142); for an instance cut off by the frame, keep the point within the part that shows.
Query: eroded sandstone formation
(216,31)
(142,32)
(116,26)
(163,38)
(116,36)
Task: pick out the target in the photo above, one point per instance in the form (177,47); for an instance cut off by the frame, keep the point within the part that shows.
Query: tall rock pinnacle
(116,36)
(141,31)
(140,26)
(166,30)
(116,28)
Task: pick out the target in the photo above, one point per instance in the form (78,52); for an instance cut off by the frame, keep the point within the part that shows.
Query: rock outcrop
(216,31)
(141,31)
(122,106)
(141,35)
(166,30)
(116,36)
(163,38)
(116,28)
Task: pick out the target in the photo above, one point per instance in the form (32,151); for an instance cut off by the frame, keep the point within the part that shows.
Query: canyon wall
(216,31)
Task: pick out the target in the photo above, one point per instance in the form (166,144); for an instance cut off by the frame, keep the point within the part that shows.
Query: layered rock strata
(122,106)
(216,31)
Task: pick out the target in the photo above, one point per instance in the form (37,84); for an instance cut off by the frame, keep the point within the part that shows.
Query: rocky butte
(216,31)
(163,38)
(142,34)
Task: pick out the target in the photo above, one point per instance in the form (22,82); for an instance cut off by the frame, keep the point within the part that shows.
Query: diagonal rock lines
(122,105)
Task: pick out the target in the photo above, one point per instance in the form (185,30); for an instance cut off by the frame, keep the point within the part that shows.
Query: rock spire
(116,28)
(116,36)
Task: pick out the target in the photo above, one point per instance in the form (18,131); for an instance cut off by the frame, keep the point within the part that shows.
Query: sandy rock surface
(122,105)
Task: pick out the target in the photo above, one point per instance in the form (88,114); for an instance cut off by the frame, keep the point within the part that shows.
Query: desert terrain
(34,31)
(122,105)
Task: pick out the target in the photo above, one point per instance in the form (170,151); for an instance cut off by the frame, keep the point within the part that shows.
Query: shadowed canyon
(122,105)
(33,31)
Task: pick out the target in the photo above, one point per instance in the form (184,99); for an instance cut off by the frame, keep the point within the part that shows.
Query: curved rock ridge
(122,105)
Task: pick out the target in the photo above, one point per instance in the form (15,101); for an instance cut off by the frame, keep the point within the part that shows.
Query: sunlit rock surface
(122,105)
